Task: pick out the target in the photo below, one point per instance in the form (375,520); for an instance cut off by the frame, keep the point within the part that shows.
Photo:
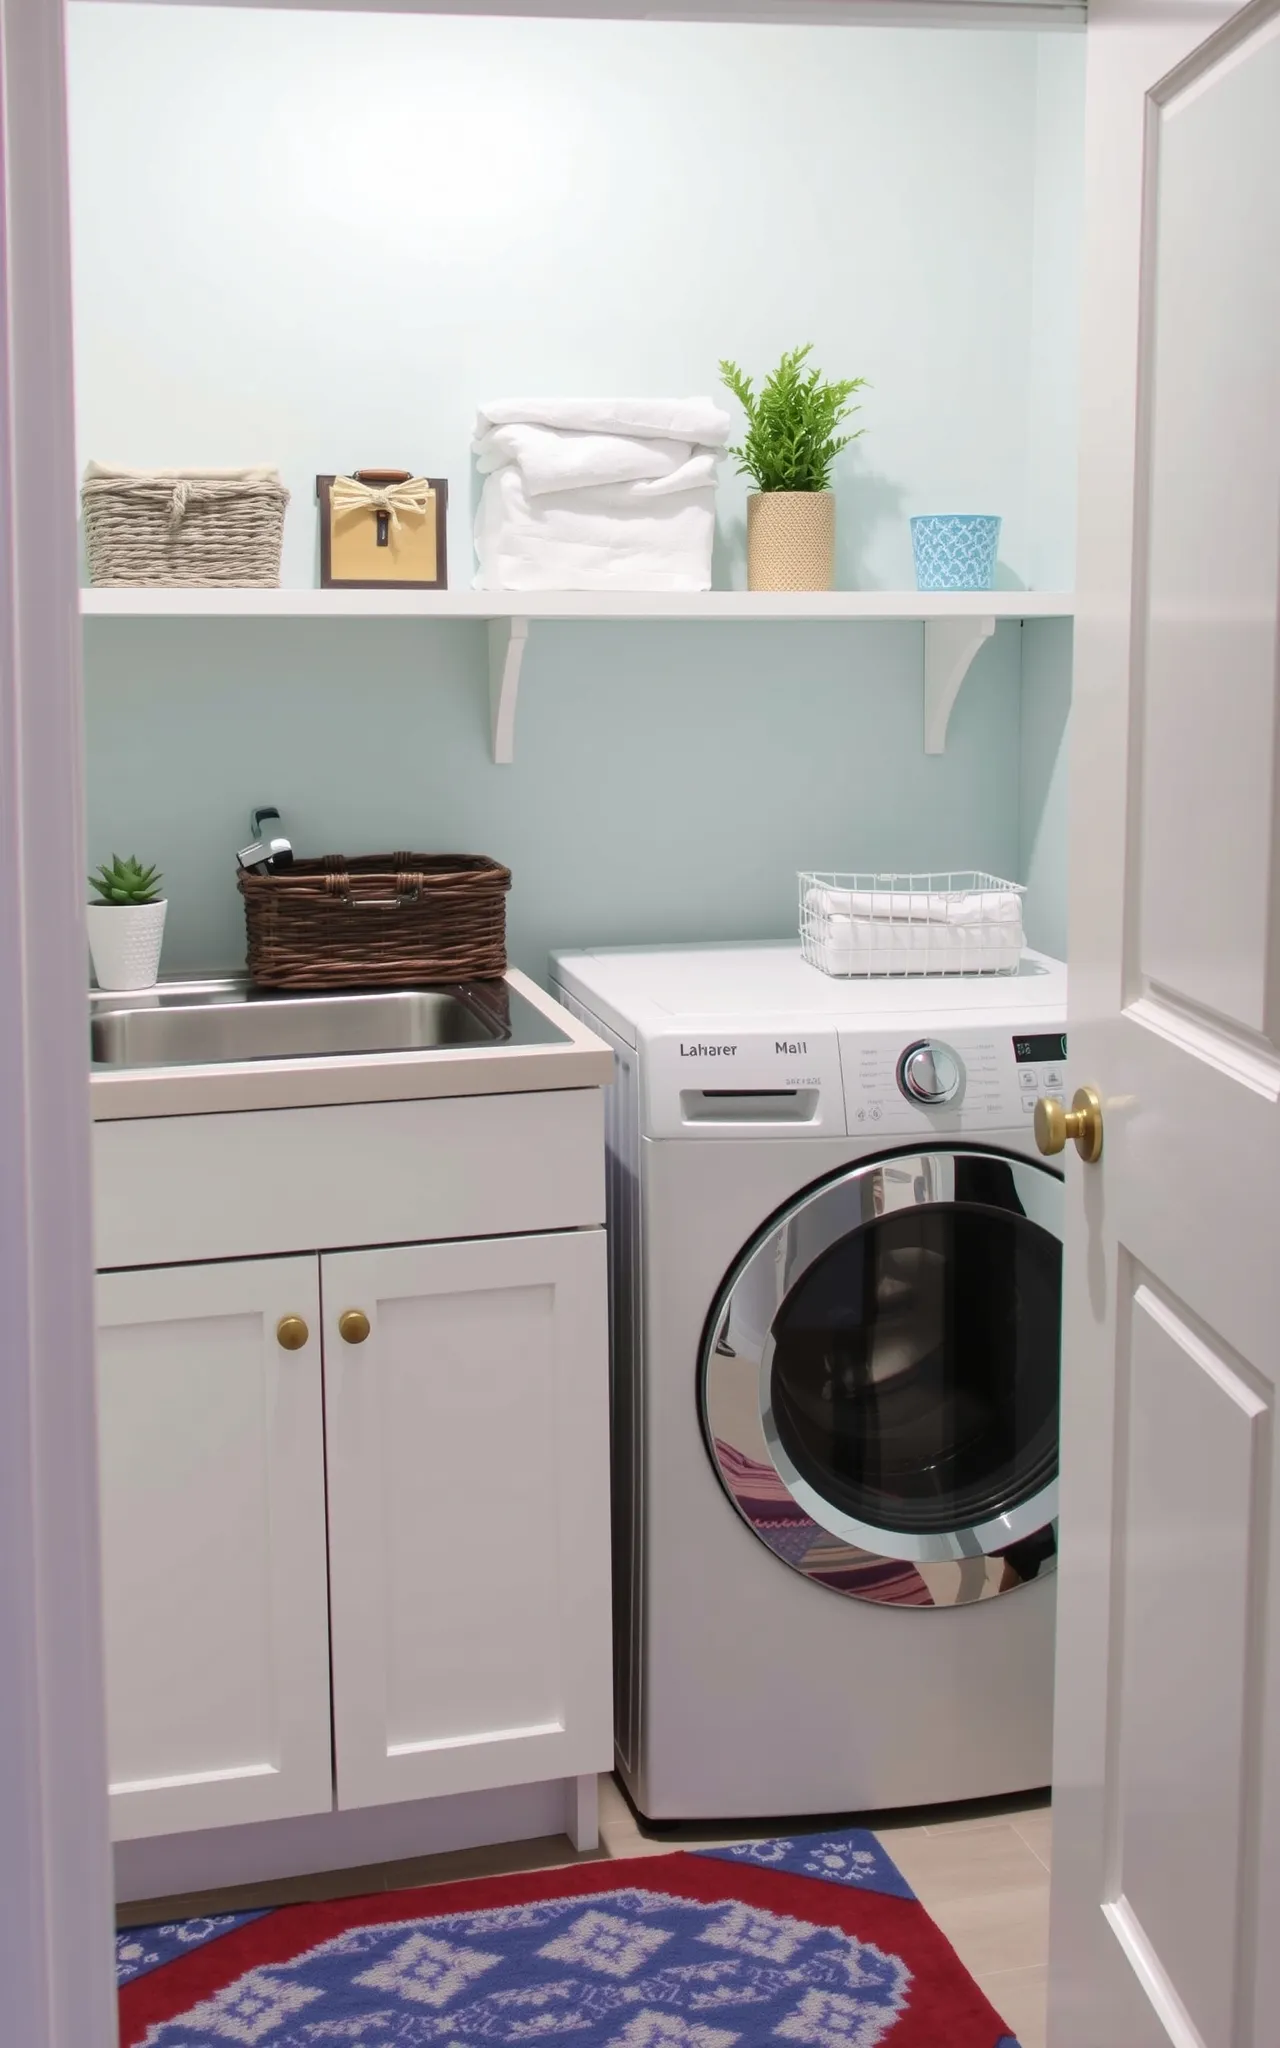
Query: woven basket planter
(387,920)
(791,540)
(183,527)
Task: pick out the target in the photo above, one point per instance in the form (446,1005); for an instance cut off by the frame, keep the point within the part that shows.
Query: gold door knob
(1082,1122)
(353,1325)
(291,1333)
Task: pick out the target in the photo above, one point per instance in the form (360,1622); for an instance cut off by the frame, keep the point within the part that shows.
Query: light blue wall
(656,794)
(320,240)
(1042,836)
(668,781)
(1053,384)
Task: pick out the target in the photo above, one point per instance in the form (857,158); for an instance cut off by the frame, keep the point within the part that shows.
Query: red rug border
(899,1925)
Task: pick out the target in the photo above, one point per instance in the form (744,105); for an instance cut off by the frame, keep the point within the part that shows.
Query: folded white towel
(551,460)
(974,906)
(986,952)
(876,934)
(610,537)
(658,419)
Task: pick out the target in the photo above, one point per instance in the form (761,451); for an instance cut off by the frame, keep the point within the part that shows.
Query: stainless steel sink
(214,1023)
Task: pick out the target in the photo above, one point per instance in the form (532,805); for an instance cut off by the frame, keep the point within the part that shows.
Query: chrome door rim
(862,1195)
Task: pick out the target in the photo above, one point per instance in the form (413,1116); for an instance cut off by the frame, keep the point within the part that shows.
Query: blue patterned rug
(811,1939)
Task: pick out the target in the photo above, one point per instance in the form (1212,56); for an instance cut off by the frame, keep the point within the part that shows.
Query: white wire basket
(964,921)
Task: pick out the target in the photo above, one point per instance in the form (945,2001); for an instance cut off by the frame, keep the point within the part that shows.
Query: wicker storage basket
(384,920)
(179,527)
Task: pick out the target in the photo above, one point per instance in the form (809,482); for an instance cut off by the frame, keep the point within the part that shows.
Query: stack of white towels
(895,931)
(597,493)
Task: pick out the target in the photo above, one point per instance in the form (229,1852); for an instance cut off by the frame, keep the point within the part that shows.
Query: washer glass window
(881,1384)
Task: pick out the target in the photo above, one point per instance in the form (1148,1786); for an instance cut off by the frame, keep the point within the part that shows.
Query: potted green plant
(126,924)
(791,444)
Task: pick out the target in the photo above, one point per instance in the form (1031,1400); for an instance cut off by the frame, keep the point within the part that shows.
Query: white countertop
(582,1061)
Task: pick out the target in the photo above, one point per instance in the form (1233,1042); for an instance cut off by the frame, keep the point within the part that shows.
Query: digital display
(1047,1045)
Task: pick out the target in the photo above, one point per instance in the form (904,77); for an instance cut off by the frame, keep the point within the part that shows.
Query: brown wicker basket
(384,920)
(179,528)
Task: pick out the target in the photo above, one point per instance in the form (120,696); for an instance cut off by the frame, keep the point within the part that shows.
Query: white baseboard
(165,1866)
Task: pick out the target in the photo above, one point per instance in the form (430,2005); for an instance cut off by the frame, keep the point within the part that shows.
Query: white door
(469,1514)
(1167,1815)
(213,1539)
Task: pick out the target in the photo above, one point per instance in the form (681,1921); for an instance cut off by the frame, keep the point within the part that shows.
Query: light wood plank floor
(981,1871)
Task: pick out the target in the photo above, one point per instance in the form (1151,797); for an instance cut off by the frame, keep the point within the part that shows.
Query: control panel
(744,1083)
(962,1082)
(1041,1059)
(873,1084)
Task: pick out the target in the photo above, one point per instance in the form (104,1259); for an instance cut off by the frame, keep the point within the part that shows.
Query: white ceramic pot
(125,941)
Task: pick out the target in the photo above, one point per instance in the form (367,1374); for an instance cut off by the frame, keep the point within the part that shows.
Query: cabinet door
(212,1450)
(468,1511)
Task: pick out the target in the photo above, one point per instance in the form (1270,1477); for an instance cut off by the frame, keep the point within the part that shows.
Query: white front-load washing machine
(835,1276)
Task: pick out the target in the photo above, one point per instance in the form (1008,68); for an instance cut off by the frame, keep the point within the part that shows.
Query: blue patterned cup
(955,550)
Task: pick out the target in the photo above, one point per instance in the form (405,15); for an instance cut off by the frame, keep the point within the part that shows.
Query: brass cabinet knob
(1082,1123)
(353,1325)
(291,1333)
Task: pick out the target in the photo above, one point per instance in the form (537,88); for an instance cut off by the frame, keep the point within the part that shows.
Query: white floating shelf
(717,606)
(956,623)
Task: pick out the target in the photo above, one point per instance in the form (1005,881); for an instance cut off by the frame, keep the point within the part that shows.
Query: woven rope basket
(791,540)
(384,920)
(180,527)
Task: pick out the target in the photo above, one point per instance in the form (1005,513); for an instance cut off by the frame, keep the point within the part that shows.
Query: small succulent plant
(126,883)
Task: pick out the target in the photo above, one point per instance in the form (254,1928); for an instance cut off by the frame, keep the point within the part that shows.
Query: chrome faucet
(269,849)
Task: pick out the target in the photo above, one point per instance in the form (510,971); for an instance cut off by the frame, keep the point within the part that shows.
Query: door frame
(55,1872)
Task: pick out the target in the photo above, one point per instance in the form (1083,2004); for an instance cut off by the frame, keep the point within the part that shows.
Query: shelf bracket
(949,648)
(508,639)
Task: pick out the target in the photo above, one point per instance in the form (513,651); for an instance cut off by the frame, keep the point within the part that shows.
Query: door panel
(213,1534)
(1167,1780)
(467,1386)
(468,1491)
(1205,675)
(1191,1530)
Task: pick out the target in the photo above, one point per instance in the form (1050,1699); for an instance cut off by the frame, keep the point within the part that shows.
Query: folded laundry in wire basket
(964,921)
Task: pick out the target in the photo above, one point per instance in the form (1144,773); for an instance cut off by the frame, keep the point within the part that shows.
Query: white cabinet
(212,1463)
(417,1522)
(468,1500)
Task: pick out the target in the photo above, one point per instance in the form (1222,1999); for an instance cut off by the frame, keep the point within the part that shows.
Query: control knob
(929,1073)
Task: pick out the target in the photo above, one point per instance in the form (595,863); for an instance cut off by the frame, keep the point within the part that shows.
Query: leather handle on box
(382,476)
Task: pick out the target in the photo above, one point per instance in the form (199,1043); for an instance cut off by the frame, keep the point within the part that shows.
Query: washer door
(879,1381)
